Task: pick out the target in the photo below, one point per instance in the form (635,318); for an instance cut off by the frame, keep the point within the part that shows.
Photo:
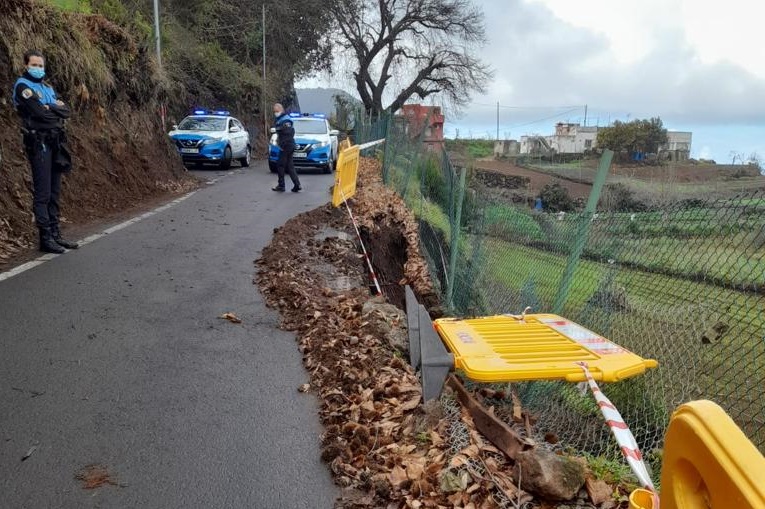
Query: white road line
(92,238)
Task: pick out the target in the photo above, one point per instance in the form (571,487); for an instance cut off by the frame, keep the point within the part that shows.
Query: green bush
(434,184)
(555,198)
(82,6)
(511,224)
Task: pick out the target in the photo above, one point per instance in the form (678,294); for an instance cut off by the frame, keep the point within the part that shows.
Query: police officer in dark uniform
(285,132)
(43,116)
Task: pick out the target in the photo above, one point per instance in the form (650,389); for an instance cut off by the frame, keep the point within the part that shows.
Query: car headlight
(210,141)
(322,144)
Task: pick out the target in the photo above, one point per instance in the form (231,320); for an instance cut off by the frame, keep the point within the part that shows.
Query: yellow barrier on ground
(346,173)
(708,463)
(538,347)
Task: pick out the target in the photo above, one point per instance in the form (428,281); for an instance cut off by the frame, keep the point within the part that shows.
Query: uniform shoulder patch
(27,93)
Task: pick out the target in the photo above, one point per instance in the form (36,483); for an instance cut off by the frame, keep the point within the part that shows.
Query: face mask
(37,72)
(277,114)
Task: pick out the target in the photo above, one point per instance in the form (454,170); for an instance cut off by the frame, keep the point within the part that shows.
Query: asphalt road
(114,355)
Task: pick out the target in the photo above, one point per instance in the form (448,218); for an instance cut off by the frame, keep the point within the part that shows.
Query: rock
(549,476)
(388,320)
(598,491)
(495,179)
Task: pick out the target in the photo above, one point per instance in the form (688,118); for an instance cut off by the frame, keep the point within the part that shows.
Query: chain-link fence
(682,282)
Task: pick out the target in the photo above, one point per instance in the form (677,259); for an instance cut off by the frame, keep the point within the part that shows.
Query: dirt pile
(121,154)
(384,448)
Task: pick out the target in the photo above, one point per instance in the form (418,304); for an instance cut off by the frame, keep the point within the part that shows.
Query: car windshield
(306,126)
(203,124)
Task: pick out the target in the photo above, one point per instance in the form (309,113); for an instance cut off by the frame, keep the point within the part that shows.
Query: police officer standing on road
(285,132)
(43,115)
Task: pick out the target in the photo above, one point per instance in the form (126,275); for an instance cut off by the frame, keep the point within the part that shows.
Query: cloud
(542,60)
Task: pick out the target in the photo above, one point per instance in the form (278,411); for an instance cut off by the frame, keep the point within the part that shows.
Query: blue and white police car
(315,143)
(212,137)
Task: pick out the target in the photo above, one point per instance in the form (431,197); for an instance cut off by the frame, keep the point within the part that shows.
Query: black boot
(47,244)
(56,234)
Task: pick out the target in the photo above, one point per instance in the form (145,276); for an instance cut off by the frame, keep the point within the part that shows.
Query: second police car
(212,137)
(315,143)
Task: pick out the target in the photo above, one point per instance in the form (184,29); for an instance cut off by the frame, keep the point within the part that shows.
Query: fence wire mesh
(681,281)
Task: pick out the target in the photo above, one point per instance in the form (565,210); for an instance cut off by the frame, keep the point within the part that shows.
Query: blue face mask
(37,73)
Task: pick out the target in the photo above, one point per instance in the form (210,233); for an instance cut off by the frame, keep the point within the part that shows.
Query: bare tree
(420,48)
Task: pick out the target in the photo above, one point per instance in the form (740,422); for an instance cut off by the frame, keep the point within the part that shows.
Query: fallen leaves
(95,476)
(231,317)
(383,447)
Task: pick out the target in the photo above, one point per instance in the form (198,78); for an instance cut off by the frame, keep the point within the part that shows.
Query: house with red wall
(425,122)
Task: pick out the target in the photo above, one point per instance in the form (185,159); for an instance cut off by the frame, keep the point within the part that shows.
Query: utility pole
(162,113)
(263,91)
(497,120)
(156,33)
(585,115)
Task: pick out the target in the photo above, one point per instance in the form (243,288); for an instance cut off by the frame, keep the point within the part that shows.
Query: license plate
(189,151)
(300,155)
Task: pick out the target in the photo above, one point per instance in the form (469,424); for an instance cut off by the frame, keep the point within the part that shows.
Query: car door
(233,138)
(243,136)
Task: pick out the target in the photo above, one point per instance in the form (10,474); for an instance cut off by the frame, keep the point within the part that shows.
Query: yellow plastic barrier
(346,143)
(642,499)
(709,463)
(346,173)
(539,347)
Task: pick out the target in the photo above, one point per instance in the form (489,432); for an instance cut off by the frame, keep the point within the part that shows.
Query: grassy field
(723,242)
(665,284)
(667,319)
(475,149)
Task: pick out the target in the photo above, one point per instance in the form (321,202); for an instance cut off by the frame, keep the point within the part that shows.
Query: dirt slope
(121,156)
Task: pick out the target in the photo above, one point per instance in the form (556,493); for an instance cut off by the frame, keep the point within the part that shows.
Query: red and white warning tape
(363,248)
(371,144)
(622,433)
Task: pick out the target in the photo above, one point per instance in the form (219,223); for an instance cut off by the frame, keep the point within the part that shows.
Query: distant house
(572,138)
(426,122)
(678,146)
(536,145)
(506,148)
(568,139)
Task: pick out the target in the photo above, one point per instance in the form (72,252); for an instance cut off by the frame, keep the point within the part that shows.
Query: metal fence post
(454,247)
(583,232)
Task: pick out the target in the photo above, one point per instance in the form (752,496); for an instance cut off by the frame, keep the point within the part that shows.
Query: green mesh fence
(682,282)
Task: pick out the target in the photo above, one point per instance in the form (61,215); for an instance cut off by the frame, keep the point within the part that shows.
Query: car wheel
(272,167)
(225,163)
(329,167)
(245,161)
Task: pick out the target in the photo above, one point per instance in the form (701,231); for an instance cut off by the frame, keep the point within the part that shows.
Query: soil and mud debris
(384,448)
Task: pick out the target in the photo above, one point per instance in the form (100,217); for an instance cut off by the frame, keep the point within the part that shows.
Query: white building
(573,138)
(576,139)
(678,147)
(568,139)
(506,148)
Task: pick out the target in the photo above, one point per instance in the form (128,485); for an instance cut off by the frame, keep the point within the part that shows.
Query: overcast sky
(698,64)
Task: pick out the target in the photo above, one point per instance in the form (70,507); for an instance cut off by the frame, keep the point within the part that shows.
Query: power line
(572,110)
(575,106)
